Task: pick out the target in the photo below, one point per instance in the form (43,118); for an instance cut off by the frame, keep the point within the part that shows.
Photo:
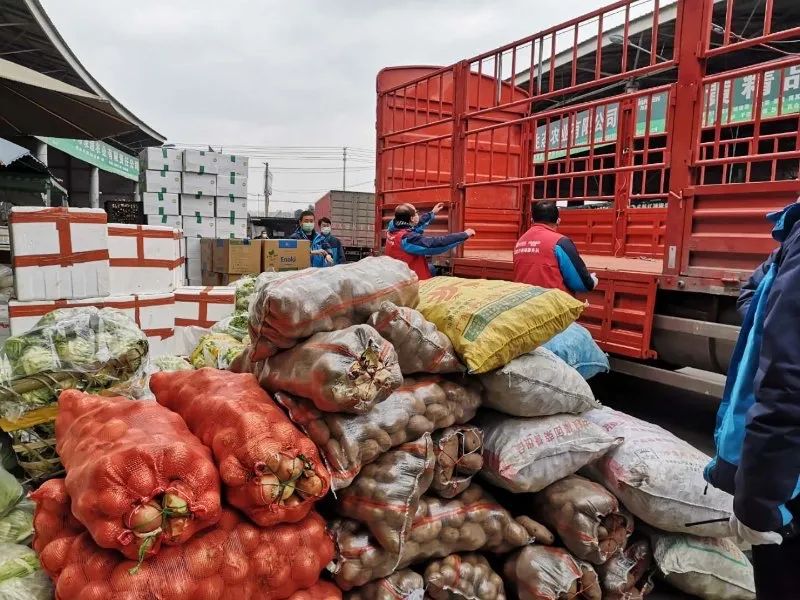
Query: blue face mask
(307,227)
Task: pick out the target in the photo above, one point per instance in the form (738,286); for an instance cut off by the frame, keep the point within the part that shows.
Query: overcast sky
(280,73)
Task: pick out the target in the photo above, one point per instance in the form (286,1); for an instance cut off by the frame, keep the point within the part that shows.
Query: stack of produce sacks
(185,497)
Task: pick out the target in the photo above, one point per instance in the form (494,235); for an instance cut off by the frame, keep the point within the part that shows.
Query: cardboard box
(232,228)
(210,278)
(237,256)
(231,186)
(160,203)
(161,159)
(207,254)
(197,206)
(200,161)
(233,164)
(203,227)
(144,259)
(231,208)
(59,253)
(167,182)
(174,221)
(285,255)
(198,184)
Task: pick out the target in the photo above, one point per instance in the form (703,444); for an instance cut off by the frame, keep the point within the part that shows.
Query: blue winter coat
(758,424)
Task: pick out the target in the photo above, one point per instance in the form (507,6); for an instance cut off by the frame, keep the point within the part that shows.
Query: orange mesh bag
(54,525)
(270,469)
(234,561)
(136,475)
(290,308)
(322,590)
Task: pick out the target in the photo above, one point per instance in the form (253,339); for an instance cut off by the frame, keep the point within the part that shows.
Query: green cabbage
(217,350)
(171,363)
(235,326)
(76,350)
(11,492)
(14,347)
(17,526)
(36,359)
(245,288)
(21,575)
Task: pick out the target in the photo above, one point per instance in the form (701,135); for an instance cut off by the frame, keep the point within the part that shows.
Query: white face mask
(326,230)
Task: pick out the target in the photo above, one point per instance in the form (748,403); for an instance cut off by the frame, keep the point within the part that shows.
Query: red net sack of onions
(136,475)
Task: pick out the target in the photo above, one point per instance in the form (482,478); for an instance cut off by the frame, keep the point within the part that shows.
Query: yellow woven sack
(492,322)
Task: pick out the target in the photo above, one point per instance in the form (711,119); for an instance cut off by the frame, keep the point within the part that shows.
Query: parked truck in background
(665,129)
(353,218)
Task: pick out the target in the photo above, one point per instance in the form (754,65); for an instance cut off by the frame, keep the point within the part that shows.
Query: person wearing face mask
(405,239)
(330,243)
(320,257)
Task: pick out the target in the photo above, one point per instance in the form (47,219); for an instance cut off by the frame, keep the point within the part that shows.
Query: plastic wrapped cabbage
(171,363)
(21,575)
(245,288)
(86,348)
(235,325)
(216,350)
(17,526)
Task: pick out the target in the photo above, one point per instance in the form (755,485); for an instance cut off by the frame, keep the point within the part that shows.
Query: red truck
(665,130)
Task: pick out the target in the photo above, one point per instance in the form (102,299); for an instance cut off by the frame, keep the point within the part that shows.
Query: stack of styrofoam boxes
(198,189)
(231,208)
(160,185)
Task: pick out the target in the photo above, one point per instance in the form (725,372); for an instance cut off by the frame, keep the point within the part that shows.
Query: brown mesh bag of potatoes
(386,493)
(348,442)
(472,521)
(628,574)
(420,346)
(587,517)
(403,585)
(339,371)
(463,577)
(459,456)
(545,573)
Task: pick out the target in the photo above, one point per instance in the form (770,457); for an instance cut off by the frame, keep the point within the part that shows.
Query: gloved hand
(329,259)
(594,278)
(755,538)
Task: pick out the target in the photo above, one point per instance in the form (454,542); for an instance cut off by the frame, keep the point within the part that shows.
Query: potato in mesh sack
(235,560)
(271,471)
(291,308)
(628,575)
(587,518)
(545,573)
(421,348)
(459,456)
(659,477)
(537,384)
(137,476)
(348,442)
(472,521)
(386,493)
(463,577)
(339,371)
(526,455)
(402,585)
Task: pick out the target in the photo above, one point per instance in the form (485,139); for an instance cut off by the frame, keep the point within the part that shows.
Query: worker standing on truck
(405,240)
(545,258)
(330,242)
(758,424)
(320,257)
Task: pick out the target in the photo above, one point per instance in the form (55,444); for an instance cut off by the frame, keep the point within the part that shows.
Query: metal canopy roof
(29,38)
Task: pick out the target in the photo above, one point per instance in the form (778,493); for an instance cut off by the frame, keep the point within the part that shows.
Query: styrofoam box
(191,247)
(199,227)
(59,253)
(174,221)
(194,268)
(232,228)
(231,208)
(161,159)
(232,186)
(154,314)
(199,306)
(159,203)
(168,182)
(199,184)
(200,161)
(144,258)
(179,274)
(233,164)
(202,206)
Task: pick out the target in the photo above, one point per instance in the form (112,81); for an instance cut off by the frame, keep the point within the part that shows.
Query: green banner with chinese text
(99,154)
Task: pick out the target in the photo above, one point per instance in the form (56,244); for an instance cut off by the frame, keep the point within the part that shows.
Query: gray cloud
(264,72)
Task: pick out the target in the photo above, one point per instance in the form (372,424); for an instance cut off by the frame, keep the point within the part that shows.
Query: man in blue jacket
(320,256)
(330,243)
(758,424)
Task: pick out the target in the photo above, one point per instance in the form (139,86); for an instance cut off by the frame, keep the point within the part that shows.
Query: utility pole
(267,189)
(344,168)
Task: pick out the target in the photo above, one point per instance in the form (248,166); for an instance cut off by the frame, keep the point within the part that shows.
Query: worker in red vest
(405,240)
(545,258)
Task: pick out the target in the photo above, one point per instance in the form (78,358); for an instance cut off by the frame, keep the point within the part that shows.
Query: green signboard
(99,154)
(739,97)
(575,132)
